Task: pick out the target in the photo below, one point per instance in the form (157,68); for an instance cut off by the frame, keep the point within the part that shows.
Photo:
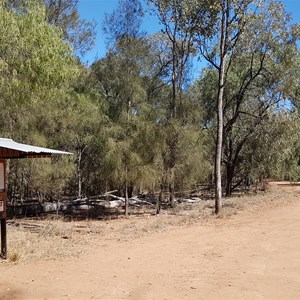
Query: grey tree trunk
(219,145)
(218,159)
(126,192)
(172,187)
(79,173)
(80,151)
(159,200)
(126,201)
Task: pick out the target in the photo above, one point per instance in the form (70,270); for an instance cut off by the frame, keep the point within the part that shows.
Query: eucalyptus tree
(294,91)
(237,26)
(258,77)
(217,48)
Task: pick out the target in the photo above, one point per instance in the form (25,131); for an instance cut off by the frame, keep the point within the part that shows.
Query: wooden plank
(37,155)
(3,239)
(11,154)
(3,198)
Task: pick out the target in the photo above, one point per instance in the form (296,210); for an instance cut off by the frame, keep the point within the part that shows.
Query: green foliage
(32,52)
(274,151)
(77,31)
(35,68)
(50,176)
(63,14)
(120,83)
(132,119)
(194,162)
(259,75)
(34,64)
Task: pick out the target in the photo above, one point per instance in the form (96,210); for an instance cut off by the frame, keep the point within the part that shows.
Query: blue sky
(96,10)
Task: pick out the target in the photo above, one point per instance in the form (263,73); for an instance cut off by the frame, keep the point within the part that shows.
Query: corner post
(3,199)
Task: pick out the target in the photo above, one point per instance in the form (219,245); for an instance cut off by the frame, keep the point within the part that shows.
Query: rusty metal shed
(10,149)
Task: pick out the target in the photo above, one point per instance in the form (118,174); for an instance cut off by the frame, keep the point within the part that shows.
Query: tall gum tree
(251,48)
(218,48)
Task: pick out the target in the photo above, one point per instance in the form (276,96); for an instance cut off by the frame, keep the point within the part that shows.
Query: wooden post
(3,199)
(3,239)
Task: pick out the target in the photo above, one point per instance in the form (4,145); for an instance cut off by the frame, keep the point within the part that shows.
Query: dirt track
(254,255)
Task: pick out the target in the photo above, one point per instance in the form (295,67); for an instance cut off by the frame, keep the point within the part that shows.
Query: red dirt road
(254,255)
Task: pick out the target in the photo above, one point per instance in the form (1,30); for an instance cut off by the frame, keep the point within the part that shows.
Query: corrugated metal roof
(28,149)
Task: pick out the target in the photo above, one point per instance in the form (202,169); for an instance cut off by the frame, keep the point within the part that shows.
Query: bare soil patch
(250,251)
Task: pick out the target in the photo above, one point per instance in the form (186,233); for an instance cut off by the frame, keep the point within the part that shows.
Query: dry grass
(53,239)
(56,238)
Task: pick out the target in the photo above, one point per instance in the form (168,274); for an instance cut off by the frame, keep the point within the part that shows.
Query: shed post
(3,199)
(3,239)
(9,149)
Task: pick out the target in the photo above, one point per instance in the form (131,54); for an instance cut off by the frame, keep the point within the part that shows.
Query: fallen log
(115,203)
(190,200)
(138,201)
(76,205)
(113,196)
